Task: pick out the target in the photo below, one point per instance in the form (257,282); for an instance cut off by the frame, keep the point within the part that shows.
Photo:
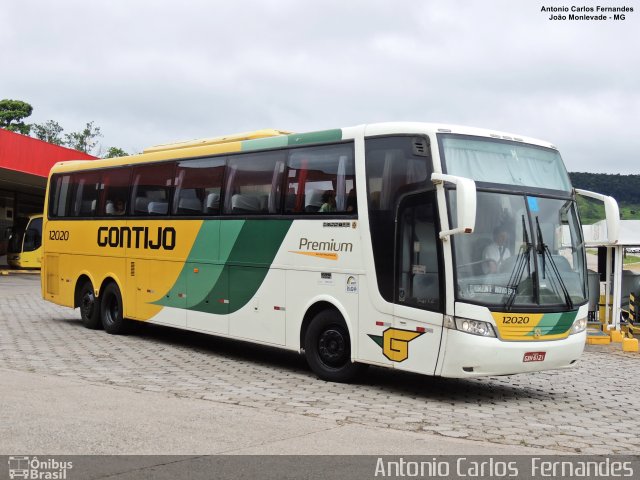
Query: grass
(629,211)
(592,211)
(629,259)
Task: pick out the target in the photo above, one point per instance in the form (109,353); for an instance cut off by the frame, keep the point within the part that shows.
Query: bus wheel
(328,348)
(111,311)
(89,307)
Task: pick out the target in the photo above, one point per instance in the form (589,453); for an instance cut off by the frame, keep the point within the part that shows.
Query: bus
(24,249)
(437,249)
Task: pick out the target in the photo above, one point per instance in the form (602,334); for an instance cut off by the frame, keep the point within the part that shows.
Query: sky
(152,72)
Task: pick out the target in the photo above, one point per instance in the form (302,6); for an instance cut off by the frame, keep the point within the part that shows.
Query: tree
(114,152)
(50,132)
(624,188)
(84,140)
(12,112)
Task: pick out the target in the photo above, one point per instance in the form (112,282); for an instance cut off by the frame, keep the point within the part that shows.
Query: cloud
(154,72)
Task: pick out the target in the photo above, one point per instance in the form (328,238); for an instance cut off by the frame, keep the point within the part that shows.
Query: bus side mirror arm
(465,203)
(611,211)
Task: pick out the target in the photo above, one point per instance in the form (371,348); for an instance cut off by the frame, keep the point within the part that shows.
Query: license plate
(534,356)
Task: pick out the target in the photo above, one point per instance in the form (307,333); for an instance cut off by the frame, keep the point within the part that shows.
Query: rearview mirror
(465,203)
(605,231)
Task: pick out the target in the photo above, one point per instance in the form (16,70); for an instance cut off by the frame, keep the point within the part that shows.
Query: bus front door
(418,302)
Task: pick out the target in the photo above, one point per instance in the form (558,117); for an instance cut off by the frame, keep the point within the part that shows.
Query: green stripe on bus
(258,242)
(247,250)
(264,143)
(555,323)
(323,136)
(256,247)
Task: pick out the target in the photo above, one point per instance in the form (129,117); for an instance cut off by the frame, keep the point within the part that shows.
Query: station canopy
(25,162)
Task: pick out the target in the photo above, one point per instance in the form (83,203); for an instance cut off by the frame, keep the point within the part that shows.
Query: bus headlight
(475,327)
(579,325)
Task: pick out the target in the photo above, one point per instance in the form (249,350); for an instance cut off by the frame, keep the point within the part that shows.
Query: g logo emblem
(395,343)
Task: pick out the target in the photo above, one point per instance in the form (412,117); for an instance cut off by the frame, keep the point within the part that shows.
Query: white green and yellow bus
(369,245)
(24,249)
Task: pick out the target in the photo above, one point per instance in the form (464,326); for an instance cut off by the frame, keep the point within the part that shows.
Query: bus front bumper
(468,355)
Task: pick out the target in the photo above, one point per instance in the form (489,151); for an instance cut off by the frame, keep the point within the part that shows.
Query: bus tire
(111,312)
(328,348)
(89,306)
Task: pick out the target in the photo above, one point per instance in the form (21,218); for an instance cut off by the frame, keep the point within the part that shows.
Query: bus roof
(31,216)
(272,138)
(236,137)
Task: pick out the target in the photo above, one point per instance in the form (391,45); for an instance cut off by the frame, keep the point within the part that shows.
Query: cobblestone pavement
(591,408)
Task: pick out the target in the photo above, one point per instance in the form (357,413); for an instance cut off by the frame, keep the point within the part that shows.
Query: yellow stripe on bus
(326,256)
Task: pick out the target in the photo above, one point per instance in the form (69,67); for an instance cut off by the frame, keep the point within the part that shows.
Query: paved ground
(214,385)
(55,415)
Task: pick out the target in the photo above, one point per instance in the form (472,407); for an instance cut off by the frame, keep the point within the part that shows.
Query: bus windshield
(16,235)
(502,161)
(526,252)
(25,236)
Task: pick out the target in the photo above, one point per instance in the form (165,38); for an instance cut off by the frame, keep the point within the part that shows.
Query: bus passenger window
(152,187)
(198,185)
(85,187)
(321,180)
(59,195)
(253,183)
(115,191)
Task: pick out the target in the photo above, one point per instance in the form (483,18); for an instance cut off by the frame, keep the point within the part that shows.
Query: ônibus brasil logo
(37,469)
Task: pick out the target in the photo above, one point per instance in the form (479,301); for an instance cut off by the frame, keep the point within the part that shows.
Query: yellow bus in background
(24,249)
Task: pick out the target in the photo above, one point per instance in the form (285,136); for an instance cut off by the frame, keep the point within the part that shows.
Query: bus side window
(321,180)
(152,188)
(115,191)
(59,196)
(198,186)
(253,183)
(85,188)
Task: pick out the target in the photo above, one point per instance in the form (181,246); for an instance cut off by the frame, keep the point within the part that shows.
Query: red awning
(32,156)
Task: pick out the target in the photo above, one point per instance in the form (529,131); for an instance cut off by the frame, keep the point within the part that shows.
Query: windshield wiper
(524,259)
(543,249)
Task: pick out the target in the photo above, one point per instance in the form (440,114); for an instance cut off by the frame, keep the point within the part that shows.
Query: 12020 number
(515,320)
(58,235)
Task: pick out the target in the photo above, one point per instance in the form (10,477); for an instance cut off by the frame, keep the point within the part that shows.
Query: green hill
(624,188)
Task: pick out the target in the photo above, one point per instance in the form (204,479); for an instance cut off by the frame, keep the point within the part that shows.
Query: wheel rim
(333,347)
(87,304)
